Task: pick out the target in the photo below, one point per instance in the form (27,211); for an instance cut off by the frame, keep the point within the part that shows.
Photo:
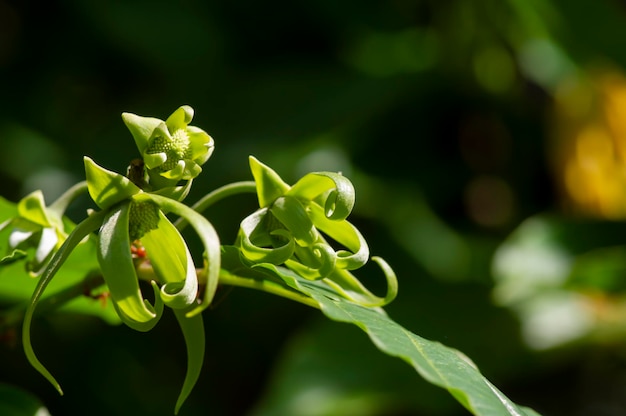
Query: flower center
(175,149)
(143,218)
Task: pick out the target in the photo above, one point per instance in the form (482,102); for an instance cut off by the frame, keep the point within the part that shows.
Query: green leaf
(438,364)
(107,188)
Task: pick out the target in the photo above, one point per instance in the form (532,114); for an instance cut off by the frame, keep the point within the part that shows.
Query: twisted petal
(118,270)
(259,246)
(294,217)
(351,288)
(331,190)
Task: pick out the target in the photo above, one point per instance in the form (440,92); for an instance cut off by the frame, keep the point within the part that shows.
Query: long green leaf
(438,364)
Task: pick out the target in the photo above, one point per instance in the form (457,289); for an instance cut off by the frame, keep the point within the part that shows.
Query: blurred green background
(487,143)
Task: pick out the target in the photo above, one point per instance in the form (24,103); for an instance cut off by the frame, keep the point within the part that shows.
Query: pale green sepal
(141,128)
(83,229)
(33,208)
(293,215)
(269,185)
(210,241)
(107,188)
(193,332)
(117,266)
(333,191)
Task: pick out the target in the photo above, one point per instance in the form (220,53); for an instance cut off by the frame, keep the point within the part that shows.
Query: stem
(146,272)
(268,286)
(217,195)
(60,205)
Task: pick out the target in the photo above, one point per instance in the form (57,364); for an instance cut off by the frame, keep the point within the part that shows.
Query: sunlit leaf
(435,362)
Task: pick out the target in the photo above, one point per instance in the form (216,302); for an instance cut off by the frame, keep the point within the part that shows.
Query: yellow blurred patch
(589,128)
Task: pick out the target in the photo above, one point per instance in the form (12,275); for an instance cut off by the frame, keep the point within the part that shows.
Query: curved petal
(179,118)
(33,208)
(260,254)
(107,188)
(143,326)
(331,190)
(172,263)
(209,238)
(351,288)
(345,234)
(314,263)
(118,270)
(193,332)
(141,128)
(292,214)
(269,185)
(83,229)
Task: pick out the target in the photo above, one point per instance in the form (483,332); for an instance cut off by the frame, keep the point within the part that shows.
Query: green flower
(173,149)
(38,227)
(293,224)
(131,215)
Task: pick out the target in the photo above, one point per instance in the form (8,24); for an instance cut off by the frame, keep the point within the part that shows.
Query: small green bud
(143,218)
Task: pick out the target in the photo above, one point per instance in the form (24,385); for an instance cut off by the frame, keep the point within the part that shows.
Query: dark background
(451,118)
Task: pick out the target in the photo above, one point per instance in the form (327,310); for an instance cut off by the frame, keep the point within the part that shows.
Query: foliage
(282,248)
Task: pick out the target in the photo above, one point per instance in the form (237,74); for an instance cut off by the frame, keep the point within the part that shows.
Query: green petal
(193,332)
(107,188)
(172,263)
(141,128)
(269,185)
(209,238)
(154,160)
(118,270)
(201,144)
(350,287)
(292,214)
(33,208)
(331,190)
(344,233)
(256,253)
(179,118)
(83,229)
(315,262)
